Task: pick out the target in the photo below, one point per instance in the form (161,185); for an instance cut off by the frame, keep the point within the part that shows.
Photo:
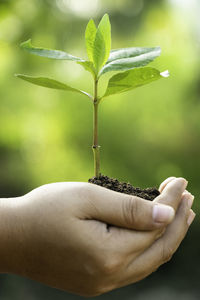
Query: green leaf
(56,54)
(99,51)
(88,66)
(132,79)
(105,29)
(90,35)
(48,53)
(50,83)
(102,43)
(128,63)
(130,52)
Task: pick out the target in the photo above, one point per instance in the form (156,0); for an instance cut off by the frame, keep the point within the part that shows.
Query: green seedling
(130,63)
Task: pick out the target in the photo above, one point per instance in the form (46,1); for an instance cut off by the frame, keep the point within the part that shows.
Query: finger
(186,192)
(127,211)
(163,249)
(172,193)
(135,242)
(164,183)
(147,238)
(131,242)
(119,243)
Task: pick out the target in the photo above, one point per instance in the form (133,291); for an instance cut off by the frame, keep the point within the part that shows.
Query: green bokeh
(146,135)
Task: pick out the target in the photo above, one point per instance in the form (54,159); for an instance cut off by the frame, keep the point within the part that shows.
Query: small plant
(129,62)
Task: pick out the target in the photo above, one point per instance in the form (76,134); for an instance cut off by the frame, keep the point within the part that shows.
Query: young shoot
(130,63)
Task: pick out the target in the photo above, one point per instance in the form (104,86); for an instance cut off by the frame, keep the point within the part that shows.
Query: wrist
(11,239)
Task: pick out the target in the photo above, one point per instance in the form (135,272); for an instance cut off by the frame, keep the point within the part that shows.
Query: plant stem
(96,147)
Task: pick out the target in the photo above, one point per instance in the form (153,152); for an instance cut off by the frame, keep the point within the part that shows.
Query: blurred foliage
(145,135)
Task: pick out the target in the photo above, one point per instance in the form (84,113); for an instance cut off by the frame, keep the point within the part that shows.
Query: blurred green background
(145,135)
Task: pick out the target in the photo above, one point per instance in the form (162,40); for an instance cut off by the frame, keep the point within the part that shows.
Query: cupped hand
(61,237)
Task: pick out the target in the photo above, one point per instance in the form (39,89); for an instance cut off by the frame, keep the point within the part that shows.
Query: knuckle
(109,263)
(130,210)
(86,188)
(167,253)
(106,262)
(82,190)
(110,266)
(160,233)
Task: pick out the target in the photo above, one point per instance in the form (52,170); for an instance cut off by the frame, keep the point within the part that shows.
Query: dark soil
(126,188)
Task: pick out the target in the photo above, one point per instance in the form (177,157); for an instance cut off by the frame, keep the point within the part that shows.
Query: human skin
(58,234)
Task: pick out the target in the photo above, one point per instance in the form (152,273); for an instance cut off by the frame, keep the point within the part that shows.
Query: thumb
(127,211)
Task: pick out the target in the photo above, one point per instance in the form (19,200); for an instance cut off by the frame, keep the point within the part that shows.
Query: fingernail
(186,193)
(163,213)
(190,201)
(191,218)
(189,198)
(184,182)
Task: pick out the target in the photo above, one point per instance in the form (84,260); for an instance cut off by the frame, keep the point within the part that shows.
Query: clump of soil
(123,187)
